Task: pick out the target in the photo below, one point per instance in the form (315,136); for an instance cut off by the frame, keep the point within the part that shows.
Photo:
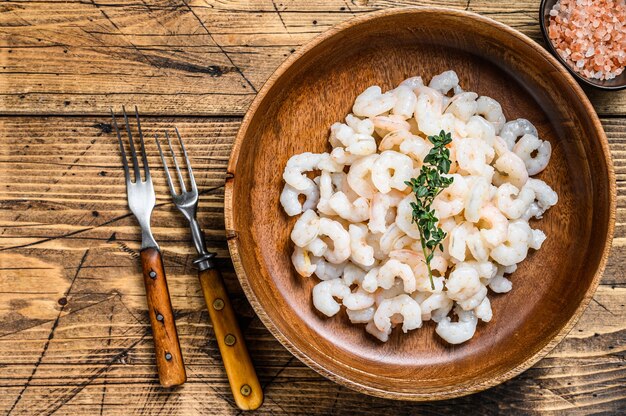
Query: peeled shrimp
(306,228)
(361,126)
(525,148)
(361,316)
(391,170)
(373,102)
(515,248)
(371,329)
(413,82)
(479,128)
(537,239)
(324,294)
(403,305)
(405,102)
(340,237)
(356,211)
(361,252)
(436,303)
(378,211)
(472,156)
(358,299)
(463,283)
(477,196)
(450,201)
(302,262)
(493,225)
(510,168)
(317,247)
(428,110)
(545,196)
(404,217)
(500,284)
(384,125)
(353,275)
(289,198)
(392,269)
(483,311)
(458,332)
(393,239)
(463,106)
(491,110)
(513,208)
(515,129)
(327,271)
(444,82)
(359,176)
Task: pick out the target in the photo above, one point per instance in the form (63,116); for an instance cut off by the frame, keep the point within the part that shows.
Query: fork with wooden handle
(141,201)
(242,377)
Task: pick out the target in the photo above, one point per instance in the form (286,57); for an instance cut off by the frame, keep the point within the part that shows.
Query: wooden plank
(74,337)
(187,58)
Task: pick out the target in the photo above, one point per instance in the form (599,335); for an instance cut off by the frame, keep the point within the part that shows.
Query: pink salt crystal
(593,29)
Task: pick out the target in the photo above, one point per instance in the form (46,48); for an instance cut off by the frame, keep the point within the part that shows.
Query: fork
(242,377)
(141,201)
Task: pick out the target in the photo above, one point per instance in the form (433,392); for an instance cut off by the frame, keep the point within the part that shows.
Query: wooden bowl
(316,87)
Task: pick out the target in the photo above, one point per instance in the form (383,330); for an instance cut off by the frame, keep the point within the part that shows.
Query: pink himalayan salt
(590,35)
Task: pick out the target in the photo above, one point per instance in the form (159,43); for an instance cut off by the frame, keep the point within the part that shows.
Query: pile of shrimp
(355,230)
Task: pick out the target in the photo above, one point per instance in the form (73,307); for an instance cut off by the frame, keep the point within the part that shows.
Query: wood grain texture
(242,377)
(417,365)
(75,342)
(169,359)
(96,330)
(201,57)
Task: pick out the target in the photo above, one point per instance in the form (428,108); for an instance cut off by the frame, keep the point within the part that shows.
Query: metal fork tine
(144,157)
(122,151)
(180,176)
(132,148)
(182,145)
(165,168)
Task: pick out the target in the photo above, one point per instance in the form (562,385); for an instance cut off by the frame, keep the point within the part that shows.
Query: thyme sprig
(428,184)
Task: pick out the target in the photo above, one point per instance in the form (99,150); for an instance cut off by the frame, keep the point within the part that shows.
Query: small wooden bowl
(615,84)
(316,87)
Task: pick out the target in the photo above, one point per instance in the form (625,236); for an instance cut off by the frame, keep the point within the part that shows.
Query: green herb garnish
(426,187)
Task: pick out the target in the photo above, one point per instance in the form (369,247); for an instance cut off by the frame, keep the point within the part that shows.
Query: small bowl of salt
(589,38)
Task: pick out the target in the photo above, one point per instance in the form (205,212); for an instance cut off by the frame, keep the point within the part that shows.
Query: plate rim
(233,242)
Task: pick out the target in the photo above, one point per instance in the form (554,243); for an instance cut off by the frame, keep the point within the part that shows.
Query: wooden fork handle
(167,348)
(243,380)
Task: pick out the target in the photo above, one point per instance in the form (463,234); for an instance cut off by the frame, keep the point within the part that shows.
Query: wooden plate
(317,87)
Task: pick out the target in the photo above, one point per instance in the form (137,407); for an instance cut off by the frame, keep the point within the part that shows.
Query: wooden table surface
(74,332)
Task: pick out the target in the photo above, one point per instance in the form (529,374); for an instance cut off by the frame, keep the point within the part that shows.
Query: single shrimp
(513,208)
(491,110)
(392,269)
(324,294)
(306,228)
(403,305)
(510,168)
(359,176)
(372,102)
(391,170)
(525,149)
(361,252)
(457,332)
(302,262)
(290,198)
(340,238)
